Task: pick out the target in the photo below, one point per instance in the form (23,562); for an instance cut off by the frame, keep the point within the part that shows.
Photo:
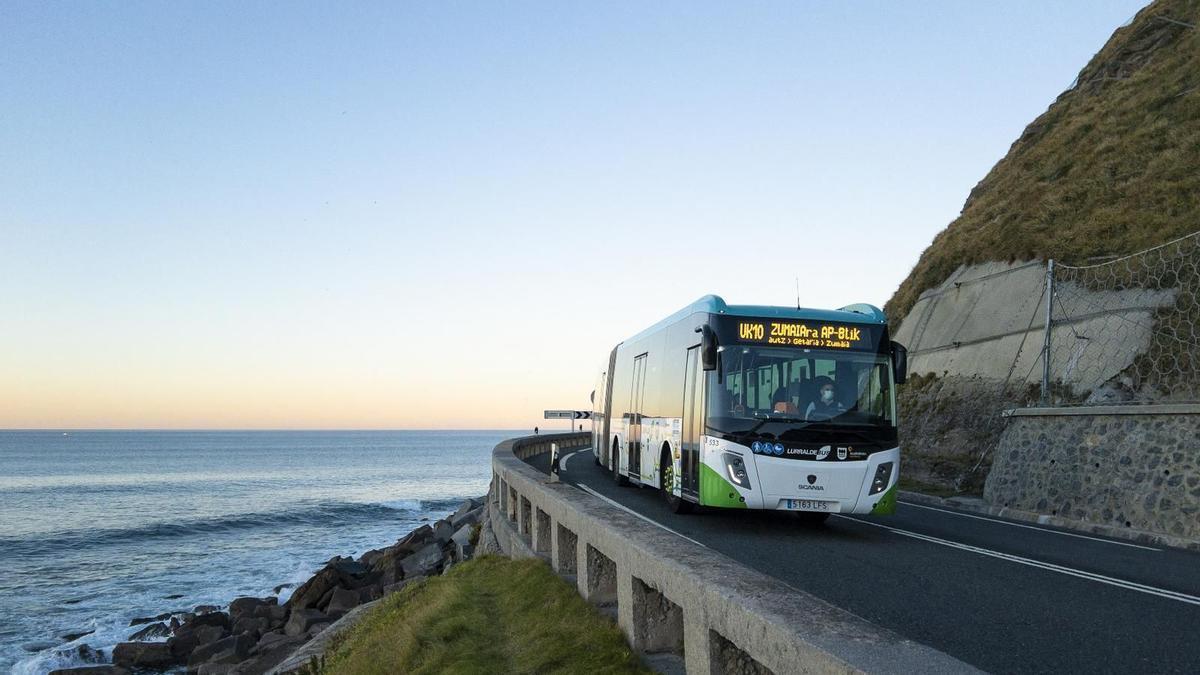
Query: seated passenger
(825,407)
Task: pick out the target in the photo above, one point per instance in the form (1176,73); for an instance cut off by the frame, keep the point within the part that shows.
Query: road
(1004,596)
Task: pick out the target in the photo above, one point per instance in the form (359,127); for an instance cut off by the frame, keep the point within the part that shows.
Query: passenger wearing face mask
(825,407)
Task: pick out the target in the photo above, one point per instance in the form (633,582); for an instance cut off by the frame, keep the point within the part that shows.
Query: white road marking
(635,513)
(1090,576)
(562,461)
(1030,527)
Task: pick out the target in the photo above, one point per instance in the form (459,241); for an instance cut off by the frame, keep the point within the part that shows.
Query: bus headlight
(883,476)
(736,469)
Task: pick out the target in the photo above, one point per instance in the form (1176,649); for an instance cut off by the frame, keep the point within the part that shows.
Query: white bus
(756,407)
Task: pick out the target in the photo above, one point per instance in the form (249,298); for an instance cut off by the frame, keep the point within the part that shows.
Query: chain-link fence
(1126,330)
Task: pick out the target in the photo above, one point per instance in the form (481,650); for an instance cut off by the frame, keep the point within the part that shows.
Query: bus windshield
(759,386)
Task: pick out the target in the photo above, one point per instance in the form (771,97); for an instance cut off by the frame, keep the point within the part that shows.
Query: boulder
(276,614)
(425,562)
(463,549)
(246,606)
(231,650)
(442,531)
(280,587)
(205,609)
(71,637)
(148,619)
(469,518)
(150,655)
(154,630)
(349,567)
(188,638)
(91,670)
(270,641)
(311,591)
(302,619)
(370,557)
(249,624)
(392,588)
(415,539)
(210,619)
(343,600)
(264,661)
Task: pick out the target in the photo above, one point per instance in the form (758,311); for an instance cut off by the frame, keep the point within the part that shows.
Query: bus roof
(714,304)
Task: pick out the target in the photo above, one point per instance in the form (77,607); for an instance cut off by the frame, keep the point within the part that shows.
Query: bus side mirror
(899,362)
(708,347)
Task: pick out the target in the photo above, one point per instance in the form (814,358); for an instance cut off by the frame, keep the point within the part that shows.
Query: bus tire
(812,518)
(666,480)
(614,460)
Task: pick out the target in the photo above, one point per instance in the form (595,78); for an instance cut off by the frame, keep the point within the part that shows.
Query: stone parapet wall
(1131,467)
(675,598)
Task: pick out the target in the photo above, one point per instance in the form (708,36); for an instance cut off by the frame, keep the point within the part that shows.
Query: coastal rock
(188,638)
(230,650)
(442,531)
(343,600)
(273,613)
(83,653)
(152,655)
(458,520)
(248,624)
(271,641)
(205,609)
(463,549)
(392,588)
(425,562)
(370,557)
(154,630)
(91,670)
(220,619)
(71,637)
(246,606)
(150,619)
(302,619)
(265,660)
(280,587)
(216,668)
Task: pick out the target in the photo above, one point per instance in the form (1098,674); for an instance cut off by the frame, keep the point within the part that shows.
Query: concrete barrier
(674,596)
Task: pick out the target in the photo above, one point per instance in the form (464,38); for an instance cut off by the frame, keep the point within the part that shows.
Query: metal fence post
(1046,333)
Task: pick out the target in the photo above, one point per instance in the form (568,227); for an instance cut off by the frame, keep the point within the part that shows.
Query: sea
(100,527)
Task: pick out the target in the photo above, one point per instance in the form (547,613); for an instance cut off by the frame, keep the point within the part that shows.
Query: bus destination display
(806,334)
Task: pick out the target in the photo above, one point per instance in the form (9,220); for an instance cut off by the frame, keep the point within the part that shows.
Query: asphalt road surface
(1002,595)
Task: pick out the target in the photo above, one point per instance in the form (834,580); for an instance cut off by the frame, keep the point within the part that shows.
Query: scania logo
(811,479)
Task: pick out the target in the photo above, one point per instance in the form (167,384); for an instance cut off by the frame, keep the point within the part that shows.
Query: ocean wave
(327,514)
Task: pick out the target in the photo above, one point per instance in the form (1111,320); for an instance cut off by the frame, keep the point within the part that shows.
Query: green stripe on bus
(886,505)
(716,491)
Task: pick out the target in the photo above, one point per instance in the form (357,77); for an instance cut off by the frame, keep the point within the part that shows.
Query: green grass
(1112,167)
(488,615)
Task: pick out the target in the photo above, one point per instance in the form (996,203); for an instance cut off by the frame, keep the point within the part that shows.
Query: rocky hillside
(1112,167)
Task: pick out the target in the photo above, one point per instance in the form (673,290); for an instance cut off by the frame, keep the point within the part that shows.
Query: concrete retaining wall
(988,320)
(1134,468)
(675,596)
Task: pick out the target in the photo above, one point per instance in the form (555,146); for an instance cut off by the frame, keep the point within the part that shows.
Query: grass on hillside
(1111,168)
(489,615)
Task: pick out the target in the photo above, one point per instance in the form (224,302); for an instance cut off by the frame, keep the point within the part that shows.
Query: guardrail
(672,595)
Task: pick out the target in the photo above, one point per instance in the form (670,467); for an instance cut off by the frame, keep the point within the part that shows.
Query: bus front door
(693,413)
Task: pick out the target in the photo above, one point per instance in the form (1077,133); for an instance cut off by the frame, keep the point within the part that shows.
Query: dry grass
(489,615)
(1112,167)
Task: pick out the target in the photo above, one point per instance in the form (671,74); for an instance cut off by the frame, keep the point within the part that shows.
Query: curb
(977,505)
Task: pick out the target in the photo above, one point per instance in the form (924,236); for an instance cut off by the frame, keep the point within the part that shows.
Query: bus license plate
(809,505)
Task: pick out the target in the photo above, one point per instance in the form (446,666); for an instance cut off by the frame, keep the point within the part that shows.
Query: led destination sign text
(822,335)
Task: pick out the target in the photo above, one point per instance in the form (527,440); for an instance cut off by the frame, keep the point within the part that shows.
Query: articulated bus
(756,407)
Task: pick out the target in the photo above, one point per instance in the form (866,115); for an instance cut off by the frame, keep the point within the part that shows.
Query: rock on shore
(254,635)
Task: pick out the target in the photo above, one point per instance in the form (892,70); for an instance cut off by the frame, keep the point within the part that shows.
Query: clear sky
(443,215)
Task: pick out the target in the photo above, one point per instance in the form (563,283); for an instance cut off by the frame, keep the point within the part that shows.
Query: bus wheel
(812,517)
(666,480)
(614,459)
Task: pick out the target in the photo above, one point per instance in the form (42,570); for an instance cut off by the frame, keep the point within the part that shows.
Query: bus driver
(825,407)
